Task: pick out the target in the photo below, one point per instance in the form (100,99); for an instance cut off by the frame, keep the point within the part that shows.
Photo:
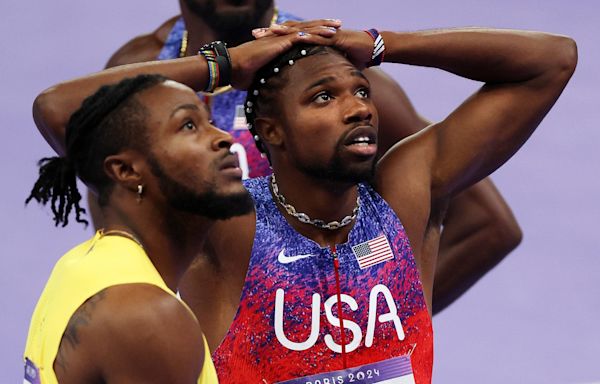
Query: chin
(231,189)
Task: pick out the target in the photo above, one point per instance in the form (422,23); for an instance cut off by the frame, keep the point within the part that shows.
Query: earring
(140,191)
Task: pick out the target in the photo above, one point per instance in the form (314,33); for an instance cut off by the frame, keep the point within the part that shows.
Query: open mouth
(362,141)
(230,166)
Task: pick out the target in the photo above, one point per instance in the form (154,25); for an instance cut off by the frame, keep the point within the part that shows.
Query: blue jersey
(288,328)
(227,108)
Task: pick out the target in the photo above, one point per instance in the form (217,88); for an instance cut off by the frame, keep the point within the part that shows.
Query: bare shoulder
(144,47)
(131,332)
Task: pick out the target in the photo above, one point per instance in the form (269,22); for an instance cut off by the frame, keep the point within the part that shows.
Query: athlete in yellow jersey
(88,274)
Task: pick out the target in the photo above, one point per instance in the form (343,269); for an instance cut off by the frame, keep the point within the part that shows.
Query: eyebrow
(193,107)
(329,79)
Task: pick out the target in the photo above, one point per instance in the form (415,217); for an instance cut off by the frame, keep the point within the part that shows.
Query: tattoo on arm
(71,337)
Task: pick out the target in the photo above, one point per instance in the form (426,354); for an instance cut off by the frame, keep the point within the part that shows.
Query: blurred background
(533,319)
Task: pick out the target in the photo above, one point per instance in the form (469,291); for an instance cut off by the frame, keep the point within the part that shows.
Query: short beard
(232,27)
(208,204)
(337,170)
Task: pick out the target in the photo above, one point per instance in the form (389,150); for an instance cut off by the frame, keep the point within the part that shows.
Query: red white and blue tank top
(287,327)
(227,108)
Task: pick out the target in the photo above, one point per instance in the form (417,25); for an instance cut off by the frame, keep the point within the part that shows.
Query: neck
(327,200)
(200,33)
(171,241)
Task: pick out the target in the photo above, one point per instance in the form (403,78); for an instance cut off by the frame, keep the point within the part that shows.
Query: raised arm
(479,227)
(524,72)
(53,107)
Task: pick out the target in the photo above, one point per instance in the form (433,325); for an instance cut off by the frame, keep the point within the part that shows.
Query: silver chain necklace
(304,218)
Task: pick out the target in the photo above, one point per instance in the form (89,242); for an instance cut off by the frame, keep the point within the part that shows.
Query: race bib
(32,373)
(392,371)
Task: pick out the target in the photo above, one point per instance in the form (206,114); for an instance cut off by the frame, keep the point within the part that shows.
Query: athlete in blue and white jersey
(288,314)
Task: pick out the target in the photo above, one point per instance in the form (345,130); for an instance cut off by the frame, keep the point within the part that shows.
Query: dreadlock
(107,121)
(262,98)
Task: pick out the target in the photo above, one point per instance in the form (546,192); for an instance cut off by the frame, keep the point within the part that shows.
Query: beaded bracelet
(378,47)
(219,65)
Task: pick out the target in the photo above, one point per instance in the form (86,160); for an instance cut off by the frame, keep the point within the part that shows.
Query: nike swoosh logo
(283,259)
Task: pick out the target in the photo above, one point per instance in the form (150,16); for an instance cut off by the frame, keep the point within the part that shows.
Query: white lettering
(392,315)
(351,325)
(314,329)
(380,289)
(240,151)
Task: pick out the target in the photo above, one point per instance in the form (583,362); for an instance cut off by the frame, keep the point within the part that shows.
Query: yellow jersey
(81,273)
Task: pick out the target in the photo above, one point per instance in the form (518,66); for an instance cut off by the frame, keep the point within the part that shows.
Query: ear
(125,168)
(269,130)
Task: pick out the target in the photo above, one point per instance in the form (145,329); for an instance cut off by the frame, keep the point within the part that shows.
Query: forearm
(488,55)
(53,108)
(479,231)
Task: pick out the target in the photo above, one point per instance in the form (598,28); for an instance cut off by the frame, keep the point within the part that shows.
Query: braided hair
(262,97)
(107,121)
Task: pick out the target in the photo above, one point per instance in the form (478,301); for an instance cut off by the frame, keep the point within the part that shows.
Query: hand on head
(247,58)
(357,45)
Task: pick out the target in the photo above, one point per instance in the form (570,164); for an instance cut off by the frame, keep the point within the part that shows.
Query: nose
(221,139)
(358,110)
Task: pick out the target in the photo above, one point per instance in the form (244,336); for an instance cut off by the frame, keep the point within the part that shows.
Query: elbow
(47,121)
(506,235)
(564,56)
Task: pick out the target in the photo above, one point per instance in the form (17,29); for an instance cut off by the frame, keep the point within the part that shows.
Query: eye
(363,93)
(322,97)
(188,126)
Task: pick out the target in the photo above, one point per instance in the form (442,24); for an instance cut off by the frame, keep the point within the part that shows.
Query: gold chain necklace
(117,232)
(183,51)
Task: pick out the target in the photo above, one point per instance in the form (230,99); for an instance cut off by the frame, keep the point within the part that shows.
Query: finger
(285,30)
(310,38)
(295,26)
(334,23)
(273,29)
(320,30)
(261,32)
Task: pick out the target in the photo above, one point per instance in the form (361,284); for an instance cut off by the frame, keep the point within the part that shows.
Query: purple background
(531,320)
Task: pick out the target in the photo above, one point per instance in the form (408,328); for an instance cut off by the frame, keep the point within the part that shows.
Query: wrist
(219,65)
(378,51)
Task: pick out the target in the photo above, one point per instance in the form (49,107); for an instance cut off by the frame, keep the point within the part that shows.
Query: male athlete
(479,229)
(163,174)
(333,267)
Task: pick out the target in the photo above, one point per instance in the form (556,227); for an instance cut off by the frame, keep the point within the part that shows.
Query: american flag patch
(372,252)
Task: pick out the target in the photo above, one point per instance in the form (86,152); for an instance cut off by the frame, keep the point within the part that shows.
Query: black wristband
(223,60)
